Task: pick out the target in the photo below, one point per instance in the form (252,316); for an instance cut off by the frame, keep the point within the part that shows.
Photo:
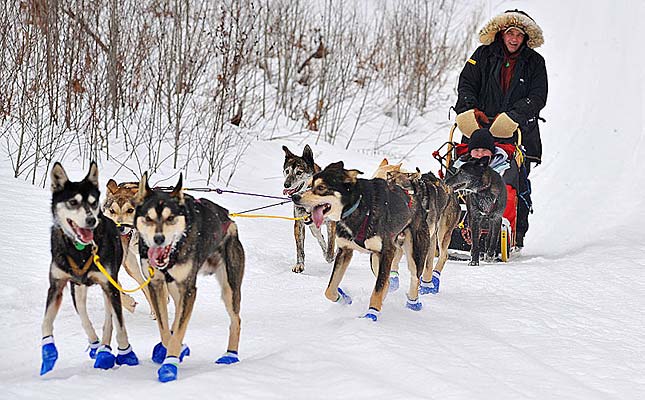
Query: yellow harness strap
(114,283)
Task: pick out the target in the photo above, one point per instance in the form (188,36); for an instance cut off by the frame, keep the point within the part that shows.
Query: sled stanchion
(450,146)
(504,245)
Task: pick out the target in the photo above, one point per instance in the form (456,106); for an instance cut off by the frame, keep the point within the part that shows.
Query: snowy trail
(564,321)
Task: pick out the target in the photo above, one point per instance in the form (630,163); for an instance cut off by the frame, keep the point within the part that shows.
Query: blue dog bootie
(343,298)
(230,357)
(93,347)
(372,313)
(414,305)
(168,370)
(49,355)
(394,281)
(159,353)
(126,356)
(431,287)
(104,357)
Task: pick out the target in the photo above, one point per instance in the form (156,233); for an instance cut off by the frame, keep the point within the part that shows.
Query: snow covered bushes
(193,82)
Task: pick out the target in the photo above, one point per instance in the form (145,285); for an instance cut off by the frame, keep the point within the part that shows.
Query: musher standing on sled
(503,86)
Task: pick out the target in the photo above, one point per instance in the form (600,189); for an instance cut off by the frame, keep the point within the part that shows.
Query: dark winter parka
(480,87)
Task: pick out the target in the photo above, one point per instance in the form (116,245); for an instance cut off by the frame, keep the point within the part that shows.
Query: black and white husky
(81,232)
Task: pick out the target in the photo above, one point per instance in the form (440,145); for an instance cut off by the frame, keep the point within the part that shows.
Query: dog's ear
(93,174)
(308,155)
(336,165)
(144,189)
(350,175)
(58,177)
(112,187)
(177,192)
(418,170)
(384,163)
(287,152)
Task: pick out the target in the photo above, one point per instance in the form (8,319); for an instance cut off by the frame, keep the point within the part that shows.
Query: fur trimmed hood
(508,19)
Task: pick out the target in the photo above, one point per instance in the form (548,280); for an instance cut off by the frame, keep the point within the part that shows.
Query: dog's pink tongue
(317,215)
(86,235)
(154,253)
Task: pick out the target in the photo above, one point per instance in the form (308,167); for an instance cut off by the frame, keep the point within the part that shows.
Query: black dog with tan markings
(373,217)
(181,236)
(80,233)
(485,202)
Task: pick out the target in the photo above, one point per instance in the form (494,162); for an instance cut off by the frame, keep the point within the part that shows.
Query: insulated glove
(467,122)
(503,126)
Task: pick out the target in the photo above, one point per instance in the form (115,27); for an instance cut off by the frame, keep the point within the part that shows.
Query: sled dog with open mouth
(298,171)
(79,234)
(181,236)
(372,216)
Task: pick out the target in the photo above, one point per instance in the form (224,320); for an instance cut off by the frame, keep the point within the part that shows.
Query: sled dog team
(178,236)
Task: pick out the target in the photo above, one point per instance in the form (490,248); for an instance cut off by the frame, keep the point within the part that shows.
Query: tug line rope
(97,262)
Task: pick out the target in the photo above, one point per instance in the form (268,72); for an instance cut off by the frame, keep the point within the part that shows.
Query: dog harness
(362,230)
(81,271)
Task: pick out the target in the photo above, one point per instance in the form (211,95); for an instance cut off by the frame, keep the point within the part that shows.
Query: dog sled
(461,240)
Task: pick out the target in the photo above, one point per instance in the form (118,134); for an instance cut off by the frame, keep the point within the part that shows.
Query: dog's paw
(298,268)
(343,298)
(104,358)
(168,371)
(330,257)
(93,347)
(414,305)
(127,357)
(372,313)
(128,302)
(49,355)
(230,357)
(159,353)
(431,287)
(473,263)
(394,281)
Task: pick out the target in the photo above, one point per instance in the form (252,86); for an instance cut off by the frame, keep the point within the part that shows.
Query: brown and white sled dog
(180,236)
(81,232)
(385,167)
(440,206)
(298,171)
(119,206)
(372,216)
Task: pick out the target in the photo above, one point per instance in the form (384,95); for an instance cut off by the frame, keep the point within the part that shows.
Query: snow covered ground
(564,321)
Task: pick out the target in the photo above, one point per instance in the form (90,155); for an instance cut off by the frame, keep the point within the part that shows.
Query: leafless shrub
(191,83)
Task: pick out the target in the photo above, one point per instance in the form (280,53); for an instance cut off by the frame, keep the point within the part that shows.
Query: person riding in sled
(503,86)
